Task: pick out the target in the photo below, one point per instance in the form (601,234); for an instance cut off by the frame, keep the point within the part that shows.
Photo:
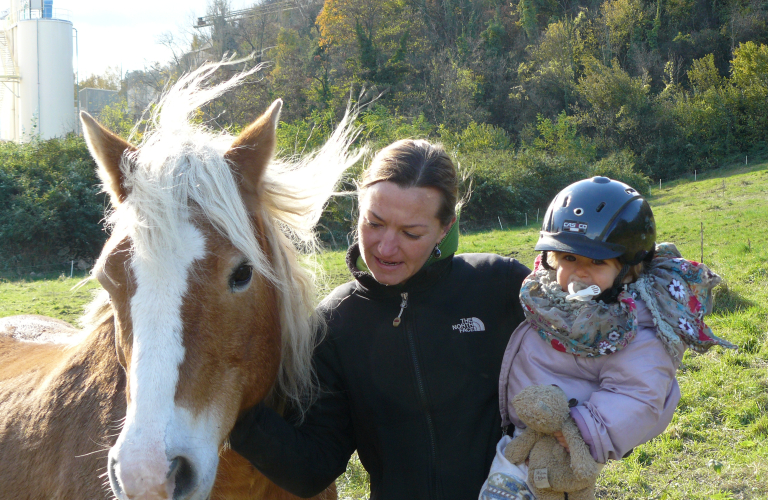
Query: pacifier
(584,294)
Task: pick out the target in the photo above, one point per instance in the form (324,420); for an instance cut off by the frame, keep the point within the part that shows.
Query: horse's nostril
(113,482)
(183,475)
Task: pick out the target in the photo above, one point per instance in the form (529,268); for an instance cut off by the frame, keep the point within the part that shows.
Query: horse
(207,309)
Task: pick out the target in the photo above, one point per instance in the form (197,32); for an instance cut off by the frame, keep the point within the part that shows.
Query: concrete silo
(37,96)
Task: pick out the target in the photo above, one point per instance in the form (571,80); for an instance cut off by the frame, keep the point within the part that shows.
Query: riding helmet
(600,218)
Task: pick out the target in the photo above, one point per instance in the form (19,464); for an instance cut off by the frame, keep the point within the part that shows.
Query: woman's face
(398,230)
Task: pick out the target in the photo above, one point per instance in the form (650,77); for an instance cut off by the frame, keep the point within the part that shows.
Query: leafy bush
(475,138)
(507,185)
(621,166)
(50,205)
(303,136)
(723,121)
(381,128)
(117,118)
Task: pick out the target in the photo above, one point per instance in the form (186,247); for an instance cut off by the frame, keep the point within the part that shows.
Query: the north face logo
(470,325)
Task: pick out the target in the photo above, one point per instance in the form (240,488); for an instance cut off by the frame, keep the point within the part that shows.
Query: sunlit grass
(47,297)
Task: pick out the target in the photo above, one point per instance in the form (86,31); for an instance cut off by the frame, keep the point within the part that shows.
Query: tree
(617,106)
(703,74)
(117,118)
(548,78)
(457,89)
(560,137)
(375,39)
(749,66)
(340,20)
(528,14)
(110,79)
(450,22)
(626,22)
(747,21)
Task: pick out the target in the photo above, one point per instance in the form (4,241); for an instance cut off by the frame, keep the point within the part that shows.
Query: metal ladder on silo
(9,74)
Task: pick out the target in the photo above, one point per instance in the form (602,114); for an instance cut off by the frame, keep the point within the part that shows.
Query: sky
(124,33)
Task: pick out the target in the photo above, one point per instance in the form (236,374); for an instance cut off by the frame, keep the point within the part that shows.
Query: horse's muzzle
(179,483)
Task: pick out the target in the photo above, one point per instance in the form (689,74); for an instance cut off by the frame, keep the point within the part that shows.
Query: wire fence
(523,219)
(340,238)
(69,269)
(336,237)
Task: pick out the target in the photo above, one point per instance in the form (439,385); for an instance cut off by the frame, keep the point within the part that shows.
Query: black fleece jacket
(418,401)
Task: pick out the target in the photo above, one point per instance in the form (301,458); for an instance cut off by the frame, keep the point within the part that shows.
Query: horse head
(211,312)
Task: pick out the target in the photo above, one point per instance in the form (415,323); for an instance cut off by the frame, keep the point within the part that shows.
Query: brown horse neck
(96,352)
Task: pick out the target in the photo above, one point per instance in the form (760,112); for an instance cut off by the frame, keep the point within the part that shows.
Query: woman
(409,369)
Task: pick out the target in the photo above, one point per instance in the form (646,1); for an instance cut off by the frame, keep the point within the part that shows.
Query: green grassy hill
(717,444)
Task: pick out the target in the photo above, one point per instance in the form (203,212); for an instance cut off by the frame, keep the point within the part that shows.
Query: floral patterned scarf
(677,292)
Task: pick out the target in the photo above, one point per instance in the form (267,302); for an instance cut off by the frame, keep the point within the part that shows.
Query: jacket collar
(423,280)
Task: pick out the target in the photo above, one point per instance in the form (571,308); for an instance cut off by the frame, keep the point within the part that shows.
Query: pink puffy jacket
(624,399)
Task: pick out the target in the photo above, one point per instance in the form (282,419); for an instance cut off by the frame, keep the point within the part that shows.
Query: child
(608,317)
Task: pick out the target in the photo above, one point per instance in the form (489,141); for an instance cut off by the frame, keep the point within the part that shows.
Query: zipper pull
(403,305)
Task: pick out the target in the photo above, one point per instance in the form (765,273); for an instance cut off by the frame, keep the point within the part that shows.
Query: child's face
(576,268)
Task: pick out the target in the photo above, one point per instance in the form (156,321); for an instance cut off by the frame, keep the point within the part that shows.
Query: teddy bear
(552,472)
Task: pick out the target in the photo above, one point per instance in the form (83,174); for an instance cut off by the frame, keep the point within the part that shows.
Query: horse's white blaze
(154,432)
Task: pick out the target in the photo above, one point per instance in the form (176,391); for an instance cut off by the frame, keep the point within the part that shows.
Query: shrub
(50,205)
(621,166)
(509,185)
(475,138)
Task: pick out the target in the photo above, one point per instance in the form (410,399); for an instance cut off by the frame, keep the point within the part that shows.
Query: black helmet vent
(578,211)
(630,191)
(566,201)
(600,207)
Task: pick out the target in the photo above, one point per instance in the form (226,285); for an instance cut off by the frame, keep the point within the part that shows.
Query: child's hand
(561,440)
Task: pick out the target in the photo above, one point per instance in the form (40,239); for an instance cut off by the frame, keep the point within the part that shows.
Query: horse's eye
(241,277)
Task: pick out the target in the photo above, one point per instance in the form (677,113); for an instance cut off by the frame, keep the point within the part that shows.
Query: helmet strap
(544,263)
(650,255)
(618,282)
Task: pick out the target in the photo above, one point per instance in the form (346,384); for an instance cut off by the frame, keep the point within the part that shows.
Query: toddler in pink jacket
(609,315)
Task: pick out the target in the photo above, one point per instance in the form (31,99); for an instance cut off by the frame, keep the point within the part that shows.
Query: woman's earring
(436,252)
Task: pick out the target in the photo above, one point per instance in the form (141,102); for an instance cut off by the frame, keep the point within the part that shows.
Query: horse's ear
(253,148)
(108,150)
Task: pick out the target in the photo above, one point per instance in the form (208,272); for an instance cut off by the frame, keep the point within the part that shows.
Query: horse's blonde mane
(179,171)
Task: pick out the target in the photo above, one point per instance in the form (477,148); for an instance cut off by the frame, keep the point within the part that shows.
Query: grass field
(49,297)
(717,444)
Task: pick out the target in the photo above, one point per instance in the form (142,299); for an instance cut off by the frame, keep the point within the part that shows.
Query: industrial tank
(42,49)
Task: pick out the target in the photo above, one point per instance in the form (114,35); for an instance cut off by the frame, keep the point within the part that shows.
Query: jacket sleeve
(307,458)
(518,273)
(637,397)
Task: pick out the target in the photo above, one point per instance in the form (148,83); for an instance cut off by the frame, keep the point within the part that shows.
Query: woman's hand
(561,440)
